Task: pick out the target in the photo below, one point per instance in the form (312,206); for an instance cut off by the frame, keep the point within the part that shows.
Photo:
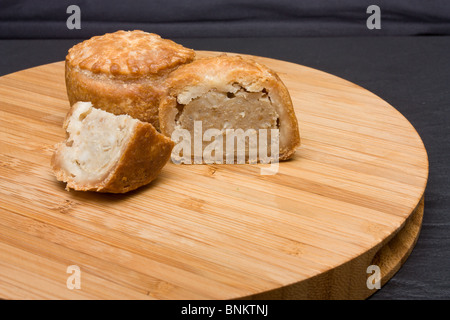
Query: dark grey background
(398,63)
(223,18)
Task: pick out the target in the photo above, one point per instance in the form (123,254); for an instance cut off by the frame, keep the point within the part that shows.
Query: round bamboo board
(351,197)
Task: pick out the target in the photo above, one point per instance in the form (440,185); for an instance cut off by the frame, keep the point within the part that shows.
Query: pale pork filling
(95,143)
(218,110)
(227,113)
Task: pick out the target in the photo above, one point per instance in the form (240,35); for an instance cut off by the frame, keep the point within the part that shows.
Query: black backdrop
(33,19)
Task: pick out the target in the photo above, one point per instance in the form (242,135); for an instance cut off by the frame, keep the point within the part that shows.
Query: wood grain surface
(351,197)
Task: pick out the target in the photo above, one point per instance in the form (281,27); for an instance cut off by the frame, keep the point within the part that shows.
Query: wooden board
(351,197)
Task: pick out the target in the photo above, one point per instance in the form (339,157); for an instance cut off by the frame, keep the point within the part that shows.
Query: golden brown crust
(220,73)
(122,72)
(141,163)
(138,99)
(128,53)
(219,70)
(143,159)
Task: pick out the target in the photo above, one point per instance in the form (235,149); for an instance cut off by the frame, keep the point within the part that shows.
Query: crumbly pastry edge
(141,162)
(245,72)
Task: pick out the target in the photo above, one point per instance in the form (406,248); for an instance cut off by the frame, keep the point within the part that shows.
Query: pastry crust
(140,158)
(230,75)
(122,72)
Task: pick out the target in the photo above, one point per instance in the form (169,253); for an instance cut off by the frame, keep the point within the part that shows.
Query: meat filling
(241,110)
(95,143)
(244,110)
